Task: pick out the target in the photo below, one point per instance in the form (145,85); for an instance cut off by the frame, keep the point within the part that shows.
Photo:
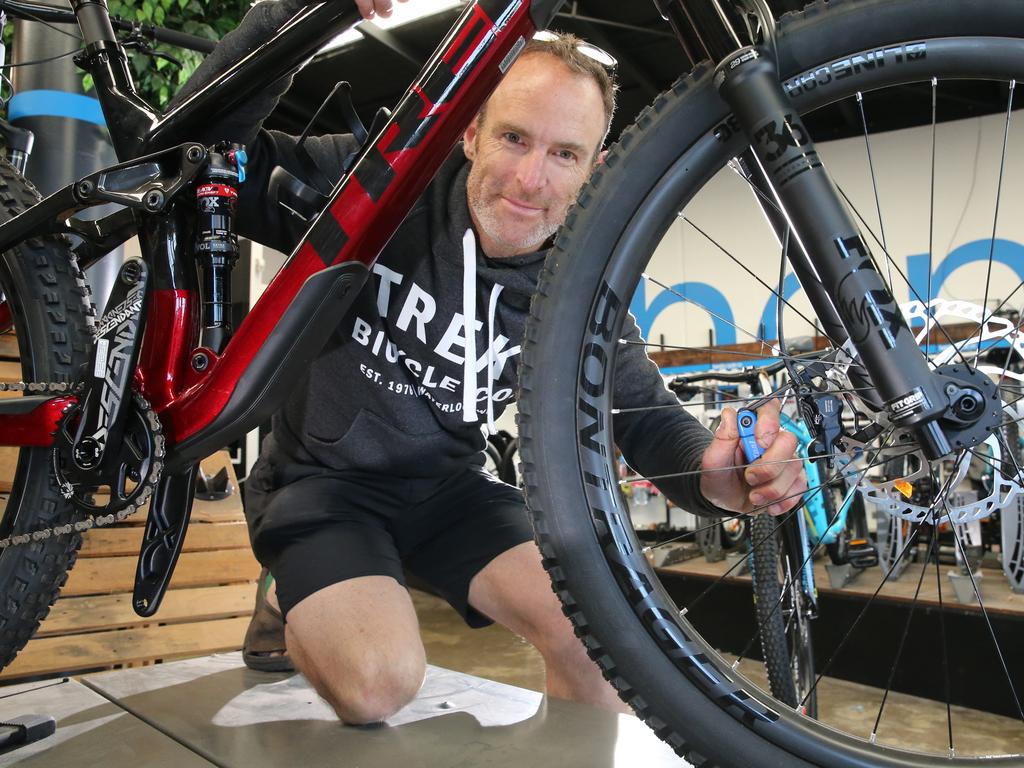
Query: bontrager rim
(800,736)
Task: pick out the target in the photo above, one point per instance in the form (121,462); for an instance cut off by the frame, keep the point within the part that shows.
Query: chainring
(138,466)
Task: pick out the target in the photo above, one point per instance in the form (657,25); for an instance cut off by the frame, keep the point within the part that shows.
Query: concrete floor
(496,654)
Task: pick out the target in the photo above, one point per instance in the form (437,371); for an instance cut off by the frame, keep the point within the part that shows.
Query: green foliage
(157,79)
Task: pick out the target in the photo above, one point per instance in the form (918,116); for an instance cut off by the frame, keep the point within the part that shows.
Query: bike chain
(99,521)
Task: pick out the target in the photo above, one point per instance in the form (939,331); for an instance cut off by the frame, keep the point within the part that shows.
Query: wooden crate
(206,610)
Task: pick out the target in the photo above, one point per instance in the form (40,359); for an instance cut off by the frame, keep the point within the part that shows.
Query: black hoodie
(394,391)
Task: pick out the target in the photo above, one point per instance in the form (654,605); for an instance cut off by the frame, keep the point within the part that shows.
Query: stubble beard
(484,205)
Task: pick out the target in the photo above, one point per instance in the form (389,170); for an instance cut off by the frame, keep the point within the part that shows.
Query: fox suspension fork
(952,407)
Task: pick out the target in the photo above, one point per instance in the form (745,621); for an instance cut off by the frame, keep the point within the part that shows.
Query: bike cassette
(129,472)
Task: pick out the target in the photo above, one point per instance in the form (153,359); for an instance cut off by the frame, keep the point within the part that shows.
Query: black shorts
(316,527)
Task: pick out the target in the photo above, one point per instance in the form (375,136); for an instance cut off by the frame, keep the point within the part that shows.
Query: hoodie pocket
(372,444)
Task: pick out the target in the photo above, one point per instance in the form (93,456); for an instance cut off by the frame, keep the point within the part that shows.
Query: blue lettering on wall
(714,302)
(700,295)
(1004,252)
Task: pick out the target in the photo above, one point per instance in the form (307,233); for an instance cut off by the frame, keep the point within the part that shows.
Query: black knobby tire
(655,658)
(782,621)
(49,303)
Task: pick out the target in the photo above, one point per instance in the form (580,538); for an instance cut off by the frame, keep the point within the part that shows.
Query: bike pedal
(862,554)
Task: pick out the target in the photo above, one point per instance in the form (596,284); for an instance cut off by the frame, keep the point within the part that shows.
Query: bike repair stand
(25,729)
(709,539)
(969,552)
(841,575)
(964,584)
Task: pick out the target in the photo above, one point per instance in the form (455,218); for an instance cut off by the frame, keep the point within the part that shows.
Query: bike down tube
(308,298)
(913,395)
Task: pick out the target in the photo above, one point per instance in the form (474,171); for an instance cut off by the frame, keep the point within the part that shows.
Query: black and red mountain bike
(116,411)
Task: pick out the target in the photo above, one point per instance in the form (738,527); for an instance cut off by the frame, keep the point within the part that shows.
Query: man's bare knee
(357,642)
(372,692)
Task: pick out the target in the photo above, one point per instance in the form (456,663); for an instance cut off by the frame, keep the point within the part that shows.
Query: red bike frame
(203,411)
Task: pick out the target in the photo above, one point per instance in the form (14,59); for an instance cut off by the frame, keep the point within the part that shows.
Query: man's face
(531,153)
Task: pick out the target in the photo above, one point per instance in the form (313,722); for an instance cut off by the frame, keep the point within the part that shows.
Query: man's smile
(521,207)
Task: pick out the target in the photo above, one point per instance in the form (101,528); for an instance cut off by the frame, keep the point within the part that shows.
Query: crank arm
(107,399)
(169,513)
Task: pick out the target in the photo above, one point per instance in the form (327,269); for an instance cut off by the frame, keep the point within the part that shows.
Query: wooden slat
(125,540)
(9,346)
(749,352)
(8,463)
(103,575)
(80,614)
(65,653)
(10,371)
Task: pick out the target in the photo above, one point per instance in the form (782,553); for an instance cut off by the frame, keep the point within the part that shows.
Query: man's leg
(357,642)
(515,591)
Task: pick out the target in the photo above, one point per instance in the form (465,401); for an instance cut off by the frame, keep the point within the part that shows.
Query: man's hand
(372,8)
(774,483)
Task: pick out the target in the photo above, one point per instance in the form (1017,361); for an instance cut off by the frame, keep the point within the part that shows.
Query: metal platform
(214,711)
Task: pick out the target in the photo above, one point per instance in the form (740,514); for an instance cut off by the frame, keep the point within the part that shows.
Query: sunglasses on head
(591,51)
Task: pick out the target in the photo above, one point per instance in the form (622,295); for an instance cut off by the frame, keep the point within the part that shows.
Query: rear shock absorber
(216,241)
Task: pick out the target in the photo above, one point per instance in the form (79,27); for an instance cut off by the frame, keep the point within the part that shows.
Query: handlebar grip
(183,39)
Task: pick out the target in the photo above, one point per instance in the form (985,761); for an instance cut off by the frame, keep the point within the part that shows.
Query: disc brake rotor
(894,495)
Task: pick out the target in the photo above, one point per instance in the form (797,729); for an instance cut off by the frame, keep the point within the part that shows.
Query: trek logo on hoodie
(414,315)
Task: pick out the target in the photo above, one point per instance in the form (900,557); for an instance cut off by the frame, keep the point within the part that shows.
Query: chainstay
(98,521)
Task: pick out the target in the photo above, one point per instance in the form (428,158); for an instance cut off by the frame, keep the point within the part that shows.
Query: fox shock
(216,241)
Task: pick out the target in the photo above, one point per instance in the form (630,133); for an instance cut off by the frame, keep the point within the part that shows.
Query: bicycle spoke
(688,300)
(782,519)
(931,222)
(719,350)
(761,463)
(779,394)
(985,614)
(999,306)
(871,600)
(899,652)
(747,269)
(942,633)
(999,194)
(874,184)
(820,489)
(717,521)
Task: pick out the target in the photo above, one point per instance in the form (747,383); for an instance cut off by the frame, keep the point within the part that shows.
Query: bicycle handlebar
(28,11)
(746,376)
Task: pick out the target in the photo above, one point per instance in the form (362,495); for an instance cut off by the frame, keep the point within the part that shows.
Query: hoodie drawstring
(469,314)
(491,311)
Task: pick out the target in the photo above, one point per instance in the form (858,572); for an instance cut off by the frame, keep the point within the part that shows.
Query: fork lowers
(838,258)
(216,241)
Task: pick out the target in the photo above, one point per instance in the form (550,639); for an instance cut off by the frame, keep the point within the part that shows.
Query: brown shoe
(264,647)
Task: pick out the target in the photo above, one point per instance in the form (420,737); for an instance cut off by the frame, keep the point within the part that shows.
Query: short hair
(565,47)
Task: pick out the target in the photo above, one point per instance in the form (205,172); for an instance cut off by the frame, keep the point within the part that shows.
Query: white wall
(966,178)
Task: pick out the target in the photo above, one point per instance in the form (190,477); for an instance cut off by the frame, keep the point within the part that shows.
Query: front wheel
(845,63)
(46,338)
